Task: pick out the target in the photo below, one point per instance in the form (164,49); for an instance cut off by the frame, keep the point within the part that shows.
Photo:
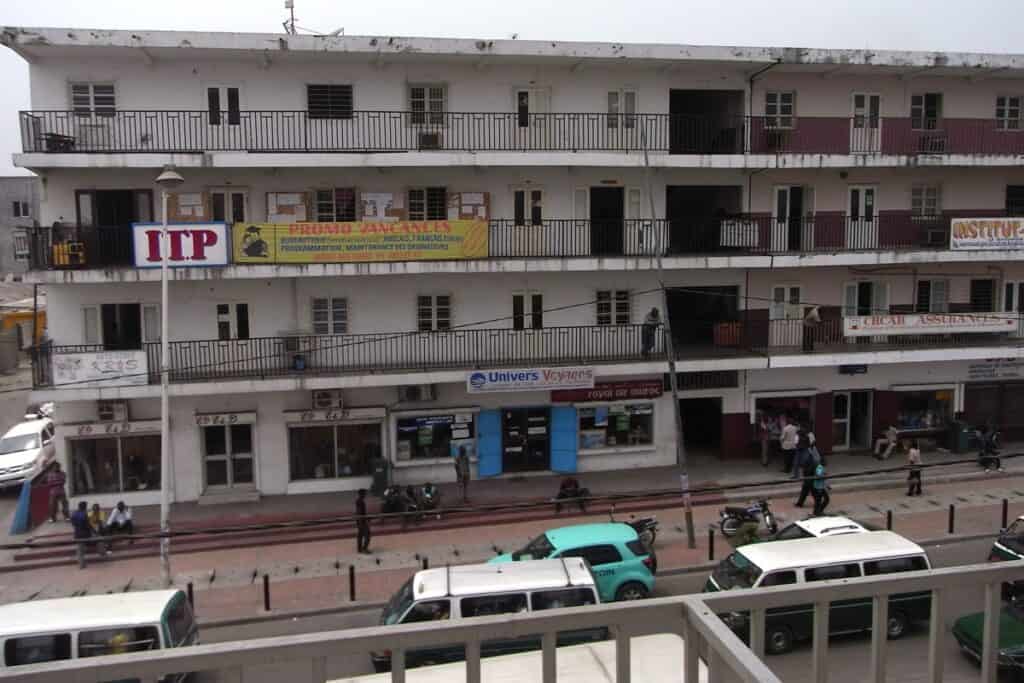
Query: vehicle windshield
(20,442)
(537,549)
(736,571)
(399,603)
(1013,537)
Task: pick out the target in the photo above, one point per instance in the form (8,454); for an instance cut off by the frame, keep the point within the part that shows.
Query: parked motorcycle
(735,517)
(646,528)
(430,497)
(394,500)
(988,454)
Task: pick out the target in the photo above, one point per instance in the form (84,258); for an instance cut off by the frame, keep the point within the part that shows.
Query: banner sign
(986,233)
(610,391)
(360,242)
(530,379)
(927,323)
(191,244)
(105,368)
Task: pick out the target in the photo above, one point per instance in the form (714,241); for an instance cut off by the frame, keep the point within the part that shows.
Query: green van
(623,566)
(808,560)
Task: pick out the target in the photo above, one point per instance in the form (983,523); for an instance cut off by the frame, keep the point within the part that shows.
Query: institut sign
(967,234)
(927,323)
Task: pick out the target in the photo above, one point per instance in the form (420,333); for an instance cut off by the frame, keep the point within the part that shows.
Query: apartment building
(391,247)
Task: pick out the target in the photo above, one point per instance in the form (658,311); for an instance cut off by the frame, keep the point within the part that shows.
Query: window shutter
(850,299)
(519,200)
(91,325)
(880,297)
(940,296)
(924,296)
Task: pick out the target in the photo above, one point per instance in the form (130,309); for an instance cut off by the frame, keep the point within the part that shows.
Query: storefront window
(616,425)
(925,409)
(331,451)
(776,413)
(435,436)
(115,465)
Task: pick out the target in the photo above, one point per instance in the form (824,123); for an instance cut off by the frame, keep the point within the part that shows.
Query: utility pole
(684,473)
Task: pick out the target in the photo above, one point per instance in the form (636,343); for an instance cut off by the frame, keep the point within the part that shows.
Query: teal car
(622,565)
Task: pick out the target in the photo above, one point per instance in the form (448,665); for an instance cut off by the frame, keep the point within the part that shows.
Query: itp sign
(189,244)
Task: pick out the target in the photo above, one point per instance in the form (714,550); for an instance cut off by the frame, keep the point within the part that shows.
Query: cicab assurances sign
(529,379)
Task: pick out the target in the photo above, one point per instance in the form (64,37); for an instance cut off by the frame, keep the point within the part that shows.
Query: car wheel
(778,640)
(897,625)
(633,590)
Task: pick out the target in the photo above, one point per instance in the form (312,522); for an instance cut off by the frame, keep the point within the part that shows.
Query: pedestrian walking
(808,463)
(811,322)
(651,323)
(764,433)
(362,524)
(914,463)
(55,481)
(787,442)
(819,491)
(462,472)
(81,531)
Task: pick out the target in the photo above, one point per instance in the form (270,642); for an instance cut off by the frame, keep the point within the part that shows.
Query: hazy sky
(945,25)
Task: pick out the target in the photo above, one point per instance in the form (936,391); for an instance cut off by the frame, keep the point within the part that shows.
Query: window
(595,555)
(92,99)
(527,311)
(21,210)
(1014,200)
(779,109)
(330,315)
(613,307)
(925,201)
(37,649)
(227,451)
(150,323)
(932,296)
(1008,112)
(229,206)
(792,532)
(779,579)
(435,436)
(786,303)
(486,605)
(117,641)
(622,108)
(925,409)
(430,610)
(433,313)
(837,571)
(232,326)
(331,451)
(983,296)
(528,207)
(428,204)
(427,104)
(616,425)
(180,622)
(895,565)
(91,325)
(563,597)
(221,101)
(337,205)
(925,111)
(329,101)
(115,465)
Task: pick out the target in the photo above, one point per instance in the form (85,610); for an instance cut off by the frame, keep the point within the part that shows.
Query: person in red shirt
(55,480)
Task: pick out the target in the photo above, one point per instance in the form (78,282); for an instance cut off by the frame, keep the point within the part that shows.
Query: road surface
(848,656)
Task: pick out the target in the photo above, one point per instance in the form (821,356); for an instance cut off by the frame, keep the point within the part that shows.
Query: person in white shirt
(787,441)
(889,442)
(120,520)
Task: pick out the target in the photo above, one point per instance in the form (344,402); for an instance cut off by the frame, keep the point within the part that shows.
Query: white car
(25,450)
(817,527)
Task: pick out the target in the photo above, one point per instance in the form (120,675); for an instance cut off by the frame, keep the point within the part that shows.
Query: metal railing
(708,642)
(195,131)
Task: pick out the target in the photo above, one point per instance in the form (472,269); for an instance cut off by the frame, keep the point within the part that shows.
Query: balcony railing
(707,648)
(68,132)
(75,248)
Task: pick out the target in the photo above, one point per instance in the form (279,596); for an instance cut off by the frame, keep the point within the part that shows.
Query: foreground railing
(707,640)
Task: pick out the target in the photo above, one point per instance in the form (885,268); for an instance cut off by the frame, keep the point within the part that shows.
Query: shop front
(425,442)
(333,450)
(918,411)
(112,461)
(228,451)
(615,420)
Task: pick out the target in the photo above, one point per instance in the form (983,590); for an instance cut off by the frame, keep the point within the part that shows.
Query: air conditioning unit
(430,140)
(327,399)
(416,392)
(112,411)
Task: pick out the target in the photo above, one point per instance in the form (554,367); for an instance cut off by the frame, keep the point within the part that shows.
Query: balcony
(176,132)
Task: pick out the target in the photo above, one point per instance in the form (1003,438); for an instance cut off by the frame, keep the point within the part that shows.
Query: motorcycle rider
(430,497)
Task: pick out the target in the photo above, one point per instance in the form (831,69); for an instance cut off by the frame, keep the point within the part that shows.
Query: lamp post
(168,180)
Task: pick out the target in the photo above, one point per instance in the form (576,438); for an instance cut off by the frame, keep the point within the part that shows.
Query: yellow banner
(359,242)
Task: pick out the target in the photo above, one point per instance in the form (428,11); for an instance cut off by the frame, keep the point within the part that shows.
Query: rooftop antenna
(289,25)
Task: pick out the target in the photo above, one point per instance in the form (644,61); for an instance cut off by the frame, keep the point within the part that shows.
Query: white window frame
(1005,104)
(93,109)
(435,319)
(333,324)
(94,335)
(423,213)
(229,207)
(919,201)
(528,203)
(775,110)
(429,115)
(878,286)
(936,304)
(615,316)
(527,296)
(151,311)
(224,111)
(21,209)
(786,309)
(923,108)
(623,105)
(538,101)
(334,216)
(231,318)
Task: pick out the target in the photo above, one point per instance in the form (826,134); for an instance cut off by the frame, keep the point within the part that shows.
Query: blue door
(488,450)
(564,439)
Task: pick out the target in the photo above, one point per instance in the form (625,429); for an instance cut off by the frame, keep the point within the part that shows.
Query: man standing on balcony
(811,322)
(651,323)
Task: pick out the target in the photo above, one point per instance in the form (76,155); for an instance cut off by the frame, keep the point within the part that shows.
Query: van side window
(836,571)
(779,579)
(117,641)
(180,622)
(430,610)
(895,565)
(484,605)
(36,649)
(595,554)
(563,597)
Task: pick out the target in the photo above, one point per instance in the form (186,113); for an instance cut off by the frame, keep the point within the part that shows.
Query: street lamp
(169,179)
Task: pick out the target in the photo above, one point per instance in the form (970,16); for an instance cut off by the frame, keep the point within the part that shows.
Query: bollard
(952,517)
(191,596)
(888,520)
(426,563)
(351,583)
(711,544)
(1006,513)
(266,592)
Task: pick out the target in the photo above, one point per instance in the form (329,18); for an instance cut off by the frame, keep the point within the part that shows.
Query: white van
(94,625)
(476,590)
(25,451)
